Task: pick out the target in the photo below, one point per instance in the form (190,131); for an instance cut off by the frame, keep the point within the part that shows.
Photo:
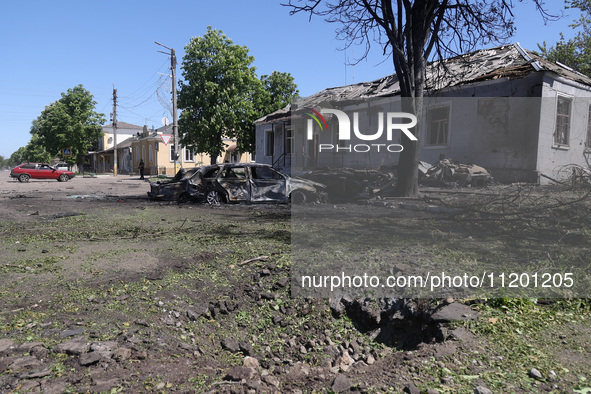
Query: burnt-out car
(241,182)
(255,183)
(180,188)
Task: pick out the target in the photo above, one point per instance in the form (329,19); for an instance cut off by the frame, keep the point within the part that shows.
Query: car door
(267,185)
(45,171)
(234,180)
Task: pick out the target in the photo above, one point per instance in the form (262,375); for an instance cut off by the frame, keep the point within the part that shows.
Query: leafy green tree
(217,95)
(70,122)
(17,157)
(34,151)
(575,52)
(275,91)
(279,90)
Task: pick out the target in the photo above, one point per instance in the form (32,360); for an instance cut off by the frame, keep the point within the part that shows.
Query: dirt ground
(103,290)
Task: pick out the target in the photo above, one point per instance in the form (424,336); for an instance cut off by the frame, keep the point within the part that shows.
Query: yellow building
(156,148)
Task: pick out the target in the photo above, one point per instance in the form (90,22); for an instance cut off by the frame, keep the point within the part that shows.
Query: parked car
(62,167)
(234,183)
(27,171)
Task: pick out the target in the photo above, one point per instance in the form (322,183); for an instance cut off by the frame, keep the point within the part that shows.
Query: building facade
(506,109)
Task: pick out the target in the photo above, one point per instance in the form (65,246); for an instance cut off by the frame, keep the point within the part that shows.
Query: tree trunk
(407,184)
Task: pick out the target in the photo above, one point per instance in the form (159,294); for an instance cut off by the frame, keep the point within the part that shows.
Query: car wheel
(297,197)
(183,198)
(214,198)
(63,178)
(24,178)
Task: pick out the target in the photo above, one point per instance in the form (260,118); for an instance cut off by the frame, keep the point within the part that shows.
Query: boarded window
(561,133)
(437,125)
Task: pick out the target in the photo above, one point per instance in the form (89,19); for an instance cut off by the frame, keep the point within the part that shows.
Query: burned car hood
(306,184)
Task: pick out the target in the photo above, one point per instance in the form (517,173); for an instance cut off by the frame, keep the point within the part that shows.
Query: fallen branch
(260,258)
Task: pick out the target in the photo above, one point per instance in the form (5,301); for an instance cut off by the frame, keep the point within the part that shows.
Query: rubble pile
(453,174)
(348,184)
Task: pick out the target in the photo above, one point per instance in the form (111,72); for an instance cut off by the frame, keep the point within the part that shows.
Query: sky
(49,47)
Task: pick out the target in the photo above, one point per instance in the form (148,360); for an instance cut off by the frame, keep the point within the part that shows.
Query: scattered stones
(73,347)
(454,312)
(28,346)
(100,385)
(121,354)
(245,348)
(53,387)
(230,345)
(535,374)
(6,345)
(482,390)
(71,333)
(22,363)
(88,359)
(196,312)
(370,360)
(271,380)
(282,283)
(410,388)
(341,383)
(141,354)
(40,352)
(36,374)
(105,349)
(251,362)
(345,361)
(240,373)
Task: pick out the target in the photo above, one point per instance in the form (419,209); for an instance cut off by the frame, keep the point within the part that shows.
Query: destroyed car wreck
(235,183)
(348,184)
(452,174)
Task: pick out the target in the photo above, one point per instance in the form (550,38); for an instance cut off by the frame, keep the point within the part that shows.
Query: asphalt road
(124,185)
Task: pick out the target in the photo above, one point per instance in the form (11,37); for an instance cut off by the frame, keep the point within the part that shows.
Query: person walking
(141,168)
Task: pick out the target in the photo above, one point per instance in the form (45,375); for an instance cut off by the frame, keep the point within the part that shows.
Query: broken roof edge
(510,61)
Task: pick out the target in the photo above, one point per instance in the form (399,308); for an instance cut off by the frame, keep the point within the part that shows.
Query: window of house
(269,143)
(151,153)
(561,133)
(289,141)
(437,125)
(189,155)
(172,152)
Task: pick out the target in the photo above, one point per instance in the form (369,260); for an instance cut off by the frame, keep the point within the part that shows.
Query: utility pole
(114,131)
(175,121)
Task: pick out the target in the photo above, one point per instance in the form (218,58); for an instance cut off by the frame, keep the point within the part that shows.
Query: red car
(27,171)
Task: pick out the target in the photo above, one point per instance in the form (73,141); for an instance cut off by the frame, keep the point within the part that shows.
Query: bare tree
(413,32)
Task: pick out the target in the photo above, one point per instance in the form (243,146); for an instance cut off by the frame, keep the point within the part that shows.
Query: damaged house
(521,117)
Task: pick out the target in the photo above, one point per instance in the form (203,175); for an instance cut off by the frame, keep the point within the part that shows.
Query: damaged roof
(506,61)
